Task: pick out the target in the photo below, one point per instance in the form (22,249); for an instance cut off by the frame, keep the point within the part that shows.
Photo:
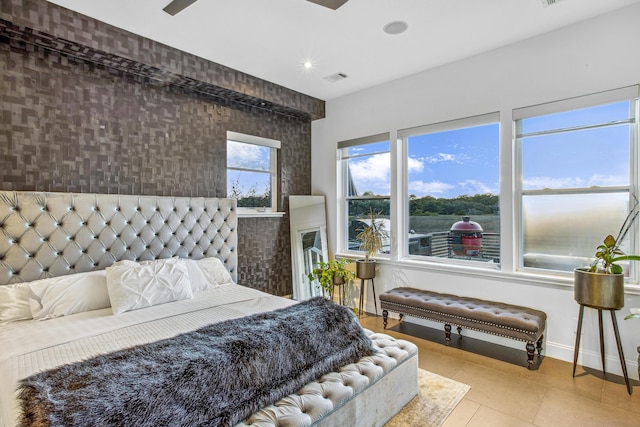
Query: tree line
(479,204)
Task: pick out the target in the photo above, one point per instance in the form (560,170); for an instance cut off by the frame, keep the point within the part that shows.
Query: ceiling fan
(177,6)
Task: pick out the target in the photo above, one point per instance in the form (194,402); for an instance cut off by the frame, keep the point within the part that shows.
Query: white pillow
(196,276)
(65,295)
(14,302)
(214,271)
(145,285)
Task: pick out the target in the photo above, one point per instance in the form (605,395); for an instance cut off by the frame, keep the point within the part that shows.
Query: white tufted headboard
(52,234)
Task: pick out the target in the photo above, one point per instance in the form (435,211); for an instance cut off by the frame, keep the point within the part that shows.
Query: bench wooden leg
(447,333)
(385,318)
(531,351)
(460,331)
(539,345)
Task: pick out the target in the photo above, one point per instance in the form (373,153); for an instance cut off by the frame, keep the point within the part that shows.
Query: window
(577,169)
(252,171)
(365,184)
(452,203)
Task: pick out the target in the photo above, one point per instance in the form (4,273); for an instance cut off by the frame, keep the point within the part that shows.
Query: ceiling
(271,39)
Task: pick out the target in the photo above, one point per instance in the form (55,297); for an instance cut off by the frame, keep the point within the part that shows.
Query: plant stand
(340,292)
(363,285)
(617,334)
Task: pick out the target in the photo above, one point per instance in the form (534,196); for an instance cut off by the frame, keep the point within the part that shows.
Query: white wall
(592,56)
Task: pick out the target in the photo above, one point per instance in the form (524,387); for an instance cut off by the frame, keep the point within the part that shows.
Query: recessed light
(307,65)
(396,27)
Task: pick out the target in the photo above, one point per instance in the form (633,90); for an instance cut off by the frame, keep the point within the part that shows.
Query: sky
(252,157)
(466,161)
(447,164)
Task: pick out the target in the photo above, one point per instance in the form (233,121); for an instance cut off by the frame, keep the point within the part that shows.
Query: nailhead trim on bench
(536,318)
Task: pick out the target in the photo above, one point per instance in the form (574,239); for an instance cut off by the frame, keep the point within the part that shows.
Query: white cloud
(472,186)
(548,182)
(574,181)
(246,155)
(372,173)
(415,165)
(444,157)
(421,188)
(608,180)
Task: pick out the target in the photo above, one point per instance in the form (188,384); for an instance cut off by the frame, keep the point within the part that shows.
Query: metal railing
(441,244)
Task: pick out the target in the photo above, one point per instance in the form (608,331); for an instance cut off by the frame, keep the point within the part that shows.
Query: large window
(565,173)
(452,171)
(365,180)
(252,171)
(577,168)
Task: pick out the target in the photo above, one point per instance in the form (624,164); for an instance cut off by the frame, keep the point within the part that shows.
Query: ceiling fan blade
(331,4)
(177,6)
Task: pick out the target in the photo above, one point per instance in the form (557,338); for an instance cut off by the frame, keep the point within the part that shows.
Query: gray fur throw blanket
(215,376)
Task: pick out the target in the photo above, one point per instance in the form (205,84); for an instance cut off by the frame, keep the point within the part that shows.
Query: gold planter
(598,290)
(365,269)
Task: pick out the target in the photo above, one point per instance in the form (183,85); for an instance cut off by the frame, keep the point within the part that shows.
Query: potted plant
(371,237)
(331,273)
(602,284)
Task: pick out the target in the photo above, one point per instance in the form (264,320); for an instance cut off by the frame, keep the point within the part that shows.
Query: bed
(54,247)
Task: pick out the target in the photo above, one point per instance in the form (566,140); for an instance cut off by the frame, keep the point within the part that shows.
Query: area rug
(436,399)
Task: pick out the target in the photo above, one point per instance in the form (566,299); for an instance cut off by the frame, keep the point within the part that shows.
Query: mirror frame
(306,214)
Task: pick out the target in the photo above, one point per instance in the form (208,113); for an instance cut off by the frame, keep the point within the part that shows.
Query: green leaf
(616,269)
(609,241)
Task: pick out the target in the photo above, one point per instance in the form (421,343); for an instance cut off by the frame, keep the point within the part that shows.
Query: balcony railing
(441,244)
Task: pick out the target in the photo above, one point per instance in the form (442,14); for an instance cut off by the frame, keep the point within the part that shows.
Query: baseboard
(589,359)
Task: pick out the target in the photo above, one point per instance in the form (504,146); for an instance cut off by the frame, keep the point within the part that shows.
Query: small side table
(362,288)
(617,334)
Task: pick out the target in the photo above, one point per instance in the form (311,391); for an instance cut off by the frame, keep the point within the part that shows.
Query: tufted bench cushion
(506,320)
(322,398)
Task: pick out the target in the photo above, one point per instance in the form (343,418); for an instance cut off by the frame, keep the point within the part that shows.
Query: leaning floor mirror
(308,242)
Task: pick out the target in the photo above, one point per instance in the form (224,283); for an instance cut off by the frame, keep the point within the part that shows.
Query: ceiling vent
(336,77)
(546,3)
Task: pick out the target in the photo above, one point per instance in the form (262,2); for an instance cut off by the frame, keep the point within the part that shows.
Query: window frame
(403,199)
(274,146)
(629,93)
(509,193)
(344,197)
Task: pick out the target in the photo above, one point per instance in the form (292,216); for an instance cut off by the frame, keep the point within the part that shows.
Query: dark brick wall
(69,124)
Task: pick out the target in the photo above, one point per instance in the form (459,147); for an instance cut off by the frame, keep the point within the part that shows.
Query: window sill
(546,280)
(252,213)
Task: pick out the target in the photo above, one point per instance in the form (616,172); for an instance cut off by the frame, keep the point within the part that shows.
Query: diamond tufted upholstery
(52,234)
(329,392)
(506,320)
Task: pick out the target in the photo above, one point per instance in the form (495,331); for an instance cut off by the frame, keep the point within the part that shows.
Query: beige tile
(447,366)
(487,417)
(569,409)
(615,394)
(504,394)
(559,374)
(462,414)
(502,391)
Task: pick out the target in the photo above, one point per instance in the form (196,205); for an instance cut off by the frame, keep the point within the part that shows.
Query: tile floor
(508,394)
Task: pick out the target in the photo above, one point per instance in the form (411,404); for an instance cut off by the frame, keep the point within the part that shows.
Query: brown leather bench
(505,320)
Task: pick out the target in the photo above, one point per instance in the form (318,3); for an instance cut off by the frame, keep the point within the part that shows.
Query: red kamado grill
(465,237)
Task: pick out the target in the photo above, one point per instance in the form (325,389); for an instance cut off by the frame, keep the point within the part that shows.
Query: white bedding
(31,346)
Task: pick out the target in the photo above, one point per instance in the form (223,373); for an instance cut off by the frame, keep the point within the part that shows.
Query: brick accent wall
(78,123)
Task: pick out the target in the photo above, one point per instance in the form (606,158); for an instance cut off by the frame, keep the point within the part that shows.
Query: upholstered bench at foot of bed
(506,320)
(384,383)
